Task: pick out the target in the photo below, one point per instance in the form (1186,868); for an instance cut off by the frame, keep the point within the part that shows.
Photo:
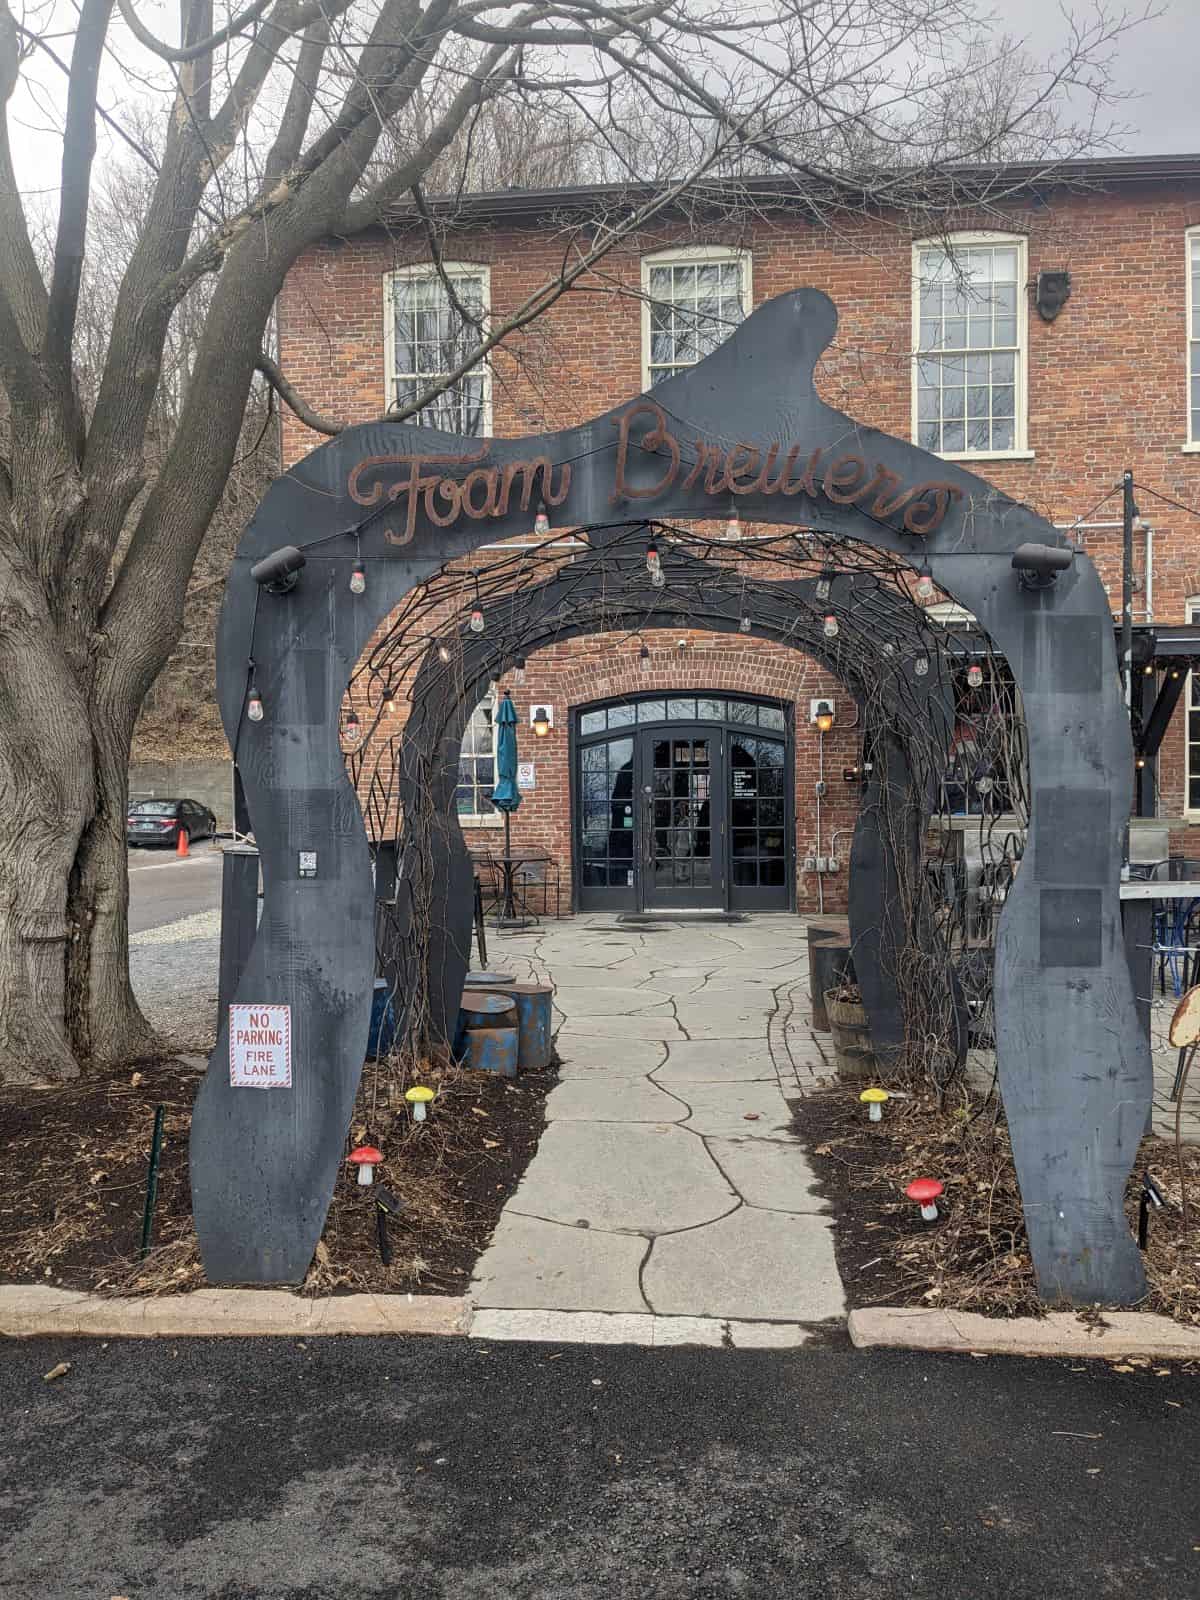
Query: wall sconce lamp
(1038,565)
(280,571)
(821,715)
(542,722)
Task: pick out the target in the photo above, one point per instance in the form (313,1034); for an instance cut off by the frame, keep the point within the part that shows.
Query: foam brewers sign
(843,478)
(260,1047)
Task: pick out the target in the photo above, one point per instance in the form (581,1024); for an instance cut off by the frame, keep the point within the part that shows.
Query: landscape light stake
(152,1180)
(386,1205)
(1152,1195)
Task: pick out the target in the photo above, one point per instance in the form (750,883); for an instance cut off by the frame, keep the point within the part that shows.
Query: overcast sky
(1157,62)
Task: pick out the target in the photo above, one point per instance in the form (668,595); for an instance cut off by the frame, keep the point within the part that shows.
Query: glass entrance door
(682,779)
(683,801)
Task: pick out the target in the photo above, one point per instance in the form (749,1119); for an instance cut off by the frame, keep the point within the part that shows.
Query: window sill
(987,455)
(480,821)
(1192,449)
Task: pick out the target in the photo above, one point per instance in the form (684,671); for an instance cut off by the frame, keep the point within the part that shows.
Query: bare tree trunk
(46,797)
(103,1020)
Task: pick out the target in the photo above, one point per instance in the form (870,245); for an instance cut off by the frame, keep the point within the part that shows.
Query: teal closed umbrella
(506,796)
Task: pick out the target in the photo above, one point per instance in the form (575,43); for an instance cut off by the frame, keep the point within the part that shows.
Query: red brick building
(966,357)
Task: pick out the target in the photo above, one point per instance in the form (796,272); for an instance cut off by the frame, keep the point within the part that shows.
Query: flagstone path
(668,1200)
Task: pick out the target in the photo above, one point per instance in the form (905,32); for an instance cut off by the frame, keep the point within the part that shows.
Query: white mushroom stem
(366,1173)
(418,1111)
(875,1111)
(929,1211)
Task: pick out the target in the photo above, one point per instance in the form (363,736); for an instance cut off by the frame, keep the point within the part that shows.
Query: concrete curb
(35,1310)
(1061,1333)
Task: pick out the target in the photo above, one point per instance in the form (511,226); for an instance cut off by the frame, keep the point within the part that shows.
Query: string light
(358,577)
(733,527)
(653,559)
(476,622)
(975,675)
(823,584)
(744,625)
(254,705)
(352,732)
(925,586)
(921,666)
(830,626)
(541,523)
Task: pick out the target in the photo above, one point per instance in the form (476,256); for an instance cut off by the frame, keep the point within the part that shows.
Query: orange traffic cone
(181,848)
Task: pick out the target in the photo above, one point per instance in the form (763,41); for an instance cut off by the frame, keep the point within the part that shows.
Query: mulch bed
(73,1182)
(976,1256)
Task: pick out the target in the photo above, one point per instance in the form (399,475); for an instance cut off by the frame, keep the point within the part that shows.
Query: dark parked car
(162,821)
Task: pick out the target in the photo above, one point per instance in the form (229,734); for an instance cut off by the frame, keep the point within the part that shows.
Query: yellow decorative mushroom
(875,1100)
(418,1098)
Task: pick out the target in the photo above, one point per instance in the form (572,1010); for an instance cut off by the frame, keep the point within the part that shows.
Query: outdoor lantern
(823,585)
(541,722)
(254,705)
(921,666)
(353,728)
(925,587)
(644,659)
(476,622)
(975,675)
(824,718)
(358,579)
(830,626)
(541,523)
(389,699)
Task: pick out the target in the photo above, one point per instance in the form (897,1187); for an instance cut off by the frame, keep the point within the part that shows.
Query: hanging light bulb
(658,578)
(389,700)
(925,587)
(889,649)
(254,705)
(733,528)
(541,523)
(644,659)
(744,625)
(823,584)
(358,579)
(653,559)
(975,675)
(519,670)
(444,652)
(352,731)
(830,626)
(476,622)
(921,666)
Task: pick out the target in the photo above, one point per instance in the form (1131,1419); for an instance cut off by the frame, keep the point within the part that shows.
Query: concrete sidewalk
(667,1184)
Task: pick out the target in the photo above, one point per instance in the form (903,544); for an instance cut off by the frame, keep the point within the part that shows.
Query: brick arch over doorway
(607,666)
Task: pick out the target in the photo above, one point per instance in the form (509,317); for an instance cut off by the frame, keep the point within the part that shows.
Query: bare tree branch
(294,401)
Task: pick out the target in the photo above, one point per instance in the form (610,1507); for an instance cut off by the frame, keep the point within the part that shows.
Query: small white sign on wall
(526,775)
(260,1047)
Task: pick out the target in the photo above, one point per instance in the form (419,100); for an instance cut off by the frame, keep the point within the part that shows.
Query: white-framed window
(692,300)
(970,342)
(426,335)
(1191,694)
(477,767)
(1193,337)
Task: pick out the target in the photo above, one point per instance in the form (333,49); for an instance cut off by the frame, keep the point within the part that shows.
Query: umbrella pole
(510,911)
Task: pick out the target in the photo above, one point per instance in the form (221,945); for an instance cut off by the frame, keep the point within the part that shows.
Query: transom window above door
(682,708)
(693,299)
(970,333)
(429,330)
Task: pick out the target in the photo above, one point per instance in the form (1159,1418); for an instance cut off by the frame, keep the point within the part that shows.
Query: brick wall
(1106,390)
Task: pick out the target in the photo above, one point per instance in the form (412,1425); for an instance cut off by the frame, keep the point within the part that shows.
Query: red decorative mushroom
(925,1191)
(366,1158)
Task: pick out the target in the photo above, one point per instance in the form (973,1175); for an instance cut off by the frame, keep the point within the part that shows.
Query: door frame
(644,830)
(632,900)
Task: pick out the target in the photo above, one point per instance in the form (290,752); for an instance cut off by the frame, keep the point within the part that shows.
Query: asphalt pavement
(458,1470)
(163,888)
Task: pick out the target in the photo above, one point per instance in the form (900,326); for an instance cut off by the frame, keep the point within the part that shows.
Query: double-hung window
(1193,342)
(692,300)
(970,331)
(477,767)
(429,330)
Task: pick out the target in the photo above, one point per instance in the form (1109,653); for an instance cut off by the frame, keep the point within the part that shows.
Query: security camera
(280,571)
(1038,565)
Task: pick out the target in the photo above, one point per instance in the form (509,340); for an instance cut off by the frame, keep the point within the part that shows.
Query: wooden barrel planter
(829,964)
(851,1035)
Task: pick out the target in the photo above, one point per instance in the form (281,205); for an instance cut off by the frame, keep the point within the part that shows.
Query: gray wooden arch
(1074,1066)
